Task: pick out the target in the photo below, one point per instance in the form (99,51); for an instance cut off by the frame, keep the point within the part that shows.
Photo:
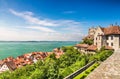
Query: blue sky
(59,20)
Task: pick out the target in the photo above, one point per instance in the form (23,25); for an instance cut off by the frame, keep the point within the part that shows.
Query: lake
(19,48)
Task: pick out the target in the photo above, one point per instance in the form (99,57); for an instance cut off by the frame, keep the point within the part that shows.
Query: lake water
(18,48)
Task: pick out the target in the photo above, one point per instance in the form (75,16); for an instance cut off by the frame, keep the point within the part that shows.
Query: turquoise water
(18,48)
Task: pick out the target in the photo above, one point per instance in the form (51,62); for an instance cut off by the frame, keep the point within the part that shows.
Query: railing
(71,76)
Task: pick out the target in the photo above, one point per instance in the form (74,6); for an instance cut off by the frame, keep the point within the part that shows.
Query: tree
(87,41)
(66,72)
(37,74)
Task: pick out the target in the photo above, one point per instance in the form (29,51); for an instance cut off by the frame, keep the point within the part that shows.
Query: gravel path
(109,69)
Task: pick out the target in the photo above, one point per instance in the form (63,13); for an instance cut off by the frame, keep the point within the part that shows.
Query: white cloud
(43,21)
(44,29)
(11,34)
(28,16)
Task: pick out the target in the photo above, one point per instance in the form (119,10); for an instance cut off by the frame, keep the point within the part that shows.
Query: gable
(4,67)
(98,31)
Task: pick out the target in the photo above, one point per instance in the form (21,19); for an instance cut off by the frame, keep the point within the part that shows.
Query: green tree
(87,41)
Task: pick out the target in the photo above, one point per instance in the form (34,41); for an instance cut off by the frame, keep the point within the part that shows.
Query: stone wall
(116,42)
(109,69)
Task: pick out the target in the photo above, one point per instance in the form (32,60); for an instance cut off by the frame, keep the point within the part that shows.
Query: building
(91,49)
(86,49)
(11,63)
(81,47)
(8,65)
(91,33)
(58,52)
(109,36)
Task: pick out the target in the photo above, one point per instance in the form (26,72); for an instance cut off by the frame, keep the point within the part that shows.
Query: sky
(54,20)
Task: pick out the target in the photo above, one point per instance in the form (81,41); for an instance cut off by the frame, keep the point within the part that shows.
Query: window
(111,44)
(107,44)
(111,37)
(107,37)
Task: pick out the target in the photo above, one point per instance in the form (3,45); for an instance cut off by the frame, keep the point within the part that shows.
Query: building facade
(91,31)
(109,36)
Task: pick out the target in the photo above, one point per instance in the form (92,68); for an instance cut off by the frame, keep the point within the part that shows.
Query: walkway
(109,69)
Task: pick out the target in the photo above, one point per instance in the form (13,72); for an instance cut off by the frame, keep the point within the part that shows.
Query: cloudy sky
(54,20)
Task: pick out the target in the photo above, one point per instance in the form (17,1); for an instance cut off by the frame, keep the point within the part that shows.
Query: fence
(71,76)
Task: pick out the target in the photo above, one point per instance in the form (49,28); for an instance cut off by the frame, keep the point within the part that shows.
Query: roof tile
(111,30)
(92,47)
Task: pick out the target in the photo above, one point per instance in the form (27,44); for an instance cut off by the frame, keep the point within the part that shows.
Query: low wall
(71,76)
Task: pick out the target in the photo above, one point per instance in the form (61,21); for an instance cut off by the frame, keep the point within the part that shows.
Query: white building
(7,66)
(109,36)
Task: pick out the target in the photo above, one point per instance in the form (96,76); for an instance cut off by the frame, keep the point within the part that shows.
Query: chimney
(111,24)
(116,24)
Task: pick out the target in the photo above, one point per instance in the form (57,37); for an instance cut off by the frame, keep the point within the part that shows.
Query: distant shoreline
(39,41)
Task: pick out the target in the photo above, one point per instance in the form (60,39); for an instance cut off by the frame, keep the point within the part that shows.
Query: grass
(87,71)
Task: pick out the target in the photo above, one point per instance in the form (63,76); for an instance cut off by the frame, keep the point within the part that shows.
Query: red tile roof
(11,65)
(1,62)
(111,30)
(82,45)
(108,48)
(26,58)
(92,47)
